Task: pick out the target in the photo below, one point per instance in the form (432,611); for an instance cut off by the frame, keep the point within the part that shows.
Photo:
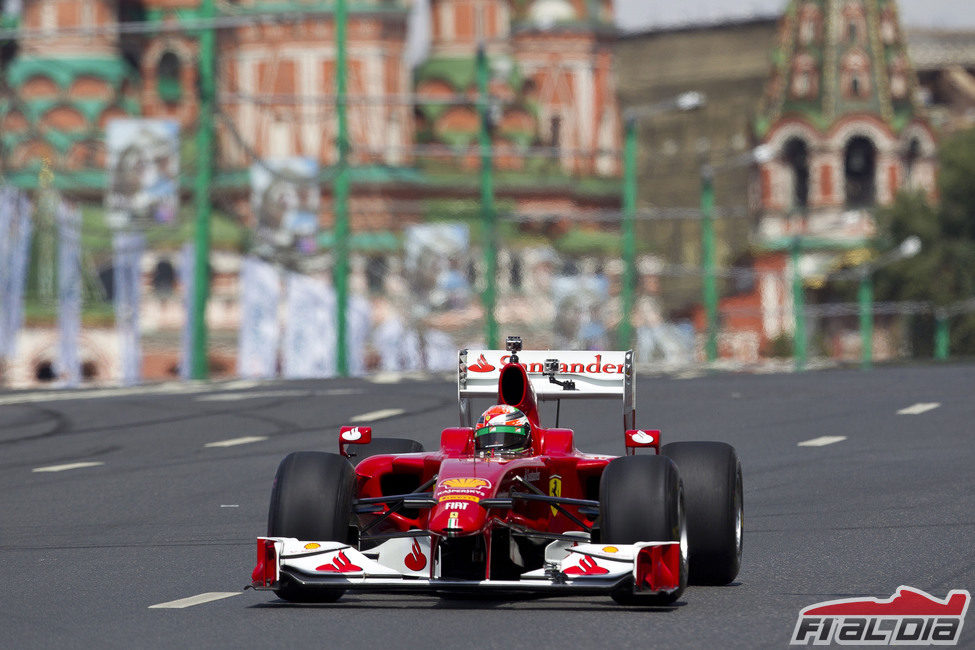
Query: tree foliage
(943,273)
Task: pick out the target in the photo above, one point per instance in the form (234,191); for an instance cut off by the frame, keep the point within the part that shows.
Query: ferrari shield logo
(555,490)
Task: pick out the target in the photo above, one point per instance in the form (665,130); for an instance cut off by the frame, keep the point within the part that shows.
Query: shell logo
(466,483)
(610,549)
(311,546)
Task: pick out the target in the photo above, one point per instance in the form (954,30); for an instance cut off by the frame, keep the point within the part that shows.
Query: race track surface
(137,507)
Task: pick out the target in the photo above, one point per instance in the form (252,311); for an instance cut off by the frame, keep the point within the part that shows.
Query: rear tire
(641,500)
(311,500)
(711,472)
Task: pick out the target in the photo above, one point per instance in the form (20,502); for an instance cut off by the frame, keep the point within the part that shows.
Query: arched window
(168,83)
(796,154)
(911,156)
(860,172)
(855,75)
(805,77)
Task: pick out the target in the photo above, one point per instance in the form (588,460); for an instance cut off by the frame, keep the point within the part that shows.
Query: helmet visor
(502,437)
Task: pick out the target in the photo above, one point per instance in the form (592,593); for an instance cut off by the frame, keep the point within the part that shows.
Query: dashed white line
(230,505)
(233,442)
(65,467)
(822,441)
(376,415)
(199,599)
(236,397)
(919,408)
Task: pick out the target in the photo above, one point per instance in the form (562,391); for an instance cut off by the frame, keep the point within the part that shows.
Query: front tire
(711,472)
(641,500)
(311,500)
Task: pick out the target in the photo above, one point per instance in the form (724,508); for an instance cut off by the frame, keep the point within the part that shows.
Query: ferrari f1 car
(507,505)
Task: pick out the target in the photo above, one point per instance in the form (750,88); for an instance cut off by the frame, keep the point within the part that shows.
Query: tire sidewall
(711,472)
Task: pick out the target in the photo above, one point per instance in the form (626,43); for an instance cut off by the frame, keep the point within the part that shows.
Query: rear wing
(595,375)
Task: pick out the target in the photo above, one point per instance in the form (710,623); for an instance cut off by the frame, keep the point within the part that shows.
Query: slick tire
(711,472)
(382,446)
(311,500)
(641,500)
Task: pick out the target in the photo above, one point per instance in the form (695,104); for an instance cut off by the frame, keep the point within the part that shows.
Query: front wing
(410,565)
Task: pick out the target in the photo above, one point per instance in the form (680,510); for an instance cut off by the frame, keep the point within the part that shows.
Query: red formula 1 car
(508,505)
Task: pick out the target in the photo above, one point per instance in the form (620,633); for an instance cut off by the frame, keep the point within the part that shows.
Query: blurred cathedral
(72,68)
(846,107)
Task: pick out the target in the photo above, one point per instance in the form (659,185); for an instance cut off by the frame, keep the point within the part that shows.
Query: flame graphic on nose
(340,564)
(416,560)
(587,567)
(481,366)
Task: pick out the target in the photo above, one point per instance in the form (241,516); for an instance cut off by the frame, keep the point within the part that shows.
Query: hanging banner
(127,250)
(435,262)
(187,266)
(260,332)
(310,332)
(69,294)
(285,198)
(15,236)
(358,320)
(143,173)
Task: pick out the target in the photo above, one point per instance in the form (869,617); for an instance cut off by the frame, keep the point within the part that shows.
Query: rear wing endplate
(596,375)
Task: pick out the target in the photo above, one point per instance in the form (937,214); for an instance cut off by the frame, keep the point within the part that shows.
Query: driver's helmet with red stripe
(502,428)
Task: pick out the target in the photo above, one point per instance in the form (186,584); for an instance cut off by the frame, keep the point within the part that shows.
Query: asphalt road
(85,552)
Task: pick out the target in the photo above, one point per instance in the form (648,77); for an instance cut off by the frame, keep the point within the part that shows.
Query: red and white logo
(339,564)
(415,560)
(586,567)
(352,434)
(909,617)
(643,438)
(481,366)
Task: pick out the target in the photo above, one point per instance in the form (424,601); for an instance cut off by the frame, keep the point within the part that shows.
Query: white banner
(15,234)
(143,172)
(285,198)
(187,265)
(309,334)
(260,332)
(358,318)
(69,294)
(127,250)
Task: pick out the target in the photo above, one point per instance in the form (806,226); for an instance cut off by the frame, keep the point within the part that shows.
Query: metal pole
(341,193)
(625,331)
(487,201)
(204,175)
(707,252)
(799,309)
(941,335)
(866,318)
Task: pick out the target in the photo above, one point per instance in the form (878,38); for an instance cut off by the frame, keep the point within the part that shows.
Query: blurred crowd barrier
(84,304)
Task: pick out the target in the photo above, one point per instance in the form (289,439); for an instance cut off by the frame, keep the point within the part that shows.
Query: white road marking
(232,505)
(166,388)
(385,378)
(233,442)
(920,407)
(62,468)
(822,441)
(199,599)
(236,397)
(376,415)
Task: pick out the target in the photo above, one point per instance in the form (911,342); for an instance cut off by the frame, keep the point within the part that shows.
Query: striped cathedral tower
(845,131)
(841,116)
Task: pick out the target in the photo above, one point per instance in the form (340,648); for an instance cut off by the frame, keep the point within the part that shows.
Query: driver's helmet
(502,428)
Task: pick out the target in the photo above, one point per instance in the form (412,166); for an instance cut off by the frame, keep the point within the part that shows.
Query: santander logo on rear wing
(593,375)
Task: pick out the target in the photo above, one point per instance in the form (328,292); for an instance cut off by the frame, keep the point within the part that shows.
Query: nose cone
(458,511)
